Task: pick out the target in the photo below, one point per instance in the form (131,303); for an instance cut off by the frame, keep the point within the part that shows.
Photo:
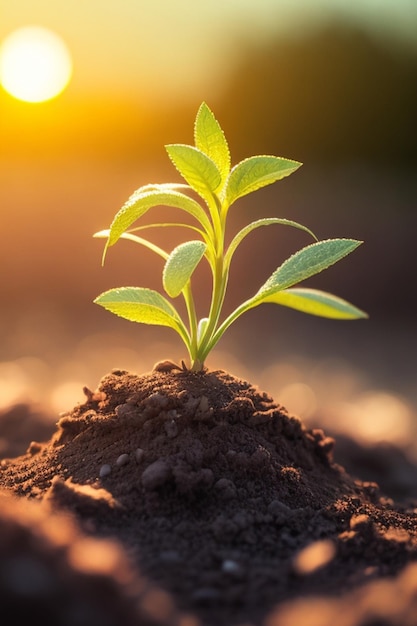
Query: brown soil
(194,498)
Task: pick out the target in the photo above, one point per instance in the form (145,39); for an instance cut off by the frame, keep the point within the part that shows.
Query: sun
(35,64)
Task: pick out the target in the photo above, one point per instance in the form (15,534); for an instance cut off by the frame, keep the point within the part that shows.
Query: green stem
(216,302)
(220,277)
(183,333)
(192,318)
(245,306)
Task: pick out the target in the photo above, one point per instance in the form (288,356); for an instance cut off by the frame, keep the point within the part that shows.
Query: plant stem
(220,277)
(192,318)
(245,306)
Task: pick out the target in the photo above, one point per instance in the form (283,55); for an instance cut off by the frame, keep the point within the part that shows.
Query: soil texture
(195,499)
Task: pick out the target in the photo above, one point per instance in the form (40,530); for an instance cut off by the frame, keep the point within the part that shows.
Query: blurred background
(330,83)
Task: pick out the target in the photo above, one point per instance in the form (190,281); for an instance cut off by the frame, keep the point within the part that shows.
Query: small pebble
(158,399)
(203,406)
(231,567)
(105,470)
(139,454)
(226,488)
(224,484)
(156,474)
(122,459)
(276,507)
(125,410)
(171,429)
(34,448)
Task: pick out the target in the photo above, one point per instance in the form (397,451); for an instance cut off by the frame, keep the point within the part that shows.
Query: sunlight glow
(35,64)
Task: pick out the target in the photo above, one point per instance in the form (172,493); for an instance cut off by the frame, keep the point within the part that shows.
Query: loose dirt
(217,506)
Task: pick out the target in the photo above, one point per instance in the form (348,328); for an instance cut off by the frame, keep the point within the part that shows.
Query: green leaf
(161,187)
(140,240)
(307,262)
(210,139)
(268,221)
(138,304)
(315,302)
(196,168)
(180,265)
(141,201)
(256,172)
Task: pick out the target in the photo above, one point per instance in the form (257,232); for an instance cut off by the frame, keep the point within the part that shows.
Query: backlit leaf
(307,262)
(180,265)
(316,302)
(140,240)
(140,202)
(196,168)
(210,139)
(138,304)
(256,172)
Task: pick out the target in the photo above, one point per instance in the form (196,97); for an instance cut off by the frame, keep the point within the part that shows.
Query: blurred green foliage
(337,94)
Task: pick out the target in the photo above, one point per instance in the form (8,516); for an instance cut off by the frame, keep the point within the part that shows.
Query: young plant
(206,168)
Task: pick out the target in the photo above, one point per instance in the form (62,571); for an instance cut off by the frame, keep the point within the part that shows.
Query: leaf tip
(103,256)
(202,106)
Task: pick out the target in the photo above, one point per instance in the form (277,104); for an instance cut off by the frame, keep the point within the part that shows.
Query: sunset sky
(163,47)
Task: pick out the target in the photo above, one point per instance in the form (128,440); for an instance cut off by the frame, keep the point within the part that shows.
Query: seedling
(206,168)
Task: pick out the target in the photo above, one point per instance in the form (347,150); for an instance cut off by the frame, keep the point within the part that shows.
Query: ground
(196,499)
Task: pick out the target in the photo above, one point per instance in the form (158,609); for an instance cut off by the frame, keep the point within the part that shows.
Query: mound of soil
(221,500)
